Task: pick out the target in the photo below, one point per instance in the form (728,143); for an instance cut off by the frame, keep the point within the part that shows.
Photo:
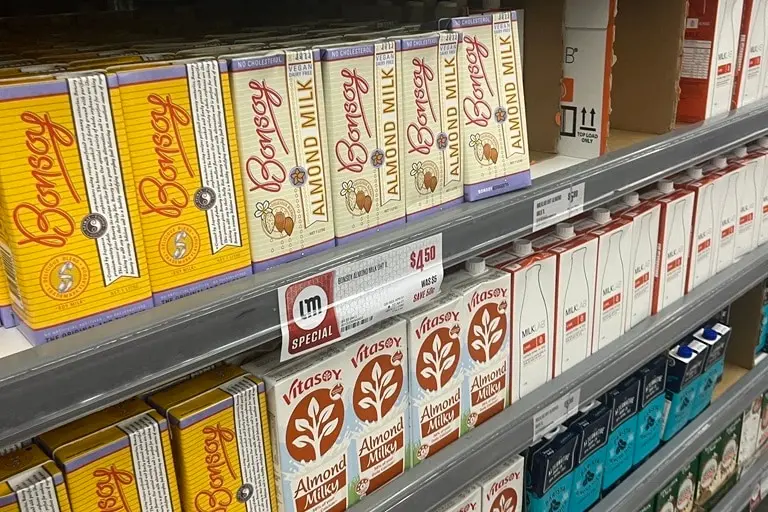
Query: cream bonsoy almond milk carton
(494,133)
(428,107)
(435,376)
(279,115)
(485,314)
(378,385)
(362,101)
(309,417)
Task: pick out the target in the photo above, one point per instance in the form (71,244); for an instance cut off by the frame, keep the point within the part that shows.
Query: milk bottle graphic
(747,194)
(729,215)
(611,290)
(674,286)
(576,312)
(702,259)
(642,269)
(725,46)
(535,340)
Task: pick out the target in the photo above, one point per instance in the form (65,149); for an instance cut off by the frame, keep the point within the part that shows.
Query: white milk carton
(431,142)
(503,487)
(761,231)
(587,65)
(750,68)
(308,409)
(377,380)
(485,306)
(468,500)
(701,259)
(494,133)
(675,225)
(533,277)
(710,48)
(727,211)
(277,97)
(645,218)
(435,376)
(613,280)
(362,105)
(748,186)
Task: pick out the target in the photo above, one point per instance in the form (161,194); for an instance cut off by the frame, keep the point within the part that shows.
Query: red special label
(575,321)
(611,301)
(643,279)
(675,263)
(533,343)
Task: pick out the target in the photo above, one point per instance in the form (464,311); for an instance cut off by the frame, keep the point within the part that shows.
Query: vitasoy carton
(485,315)
(430,109)
(435,376)
(502,489)
(378,410)
(279,115)
(362,102)
(308,408)
(494,133)
(72,242)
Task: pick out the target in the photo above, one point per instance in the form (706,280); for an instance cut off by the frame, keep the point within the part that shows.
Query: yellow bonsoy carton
(116,459)
(186,169)
(31,482)
(71,240)
(220,439)
(280,119)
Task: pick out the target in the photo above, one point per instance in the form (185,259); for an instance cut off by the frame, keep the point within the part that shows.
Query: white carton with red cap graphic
(645,218)
(701,260)
(726,212)
(761,230)
(533,277)
(674,242)
(748,185)
(614,245)
(576,276)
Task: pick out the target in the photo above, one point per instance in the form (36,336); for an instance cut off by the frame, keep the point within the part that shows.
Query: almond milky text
(110,488)
(317,488)
(45,223)
(265,170)
(351,153)
(420,135)
(301,386)
(162,194)
(476,107)
(217,498)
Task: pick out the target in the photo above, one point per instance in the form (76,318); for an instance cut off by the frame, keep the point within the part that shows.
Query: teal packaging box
(683,367)
(714,364)
(592,429)
(650,419)
(550,473)
(623,400)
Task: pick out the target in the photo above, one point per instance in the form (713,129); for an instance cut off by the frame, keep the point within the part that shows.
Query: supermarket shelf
(511,431)
(65,379)
(739,497)
(644,482)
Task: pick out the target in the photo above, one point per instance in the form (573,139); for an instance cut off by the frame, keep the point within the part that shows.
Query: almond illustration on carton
(438,359)
(315,425)
(378,387)
(486,331)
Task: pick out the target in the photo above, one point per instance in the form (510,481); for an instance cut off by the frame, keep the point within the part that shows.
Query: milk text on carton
(70,231)
(496,157)
(279,115)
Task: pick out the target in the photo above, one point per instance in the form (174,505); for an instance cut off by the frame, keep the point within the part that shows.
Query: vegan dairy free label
(331,306)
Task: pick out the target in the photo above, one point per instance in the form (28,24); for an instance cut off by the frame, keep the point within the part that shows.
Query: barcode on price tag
(558,206)
(555,413)
(334,305)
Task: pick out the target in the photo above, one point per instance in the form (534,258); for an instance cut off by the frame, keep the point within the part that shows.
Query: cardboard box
(709,59)
(729,452)
(650,422)
(71,232)
(728,213)
(493,122)
(31,481)
(221,415)
(279,116)
(746,325)
(190,199)
(750,68)
(761,147)
(587,65)
(666,498)
(709,466)
(123,452)
(714,365)
(360,81)
(684,366)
